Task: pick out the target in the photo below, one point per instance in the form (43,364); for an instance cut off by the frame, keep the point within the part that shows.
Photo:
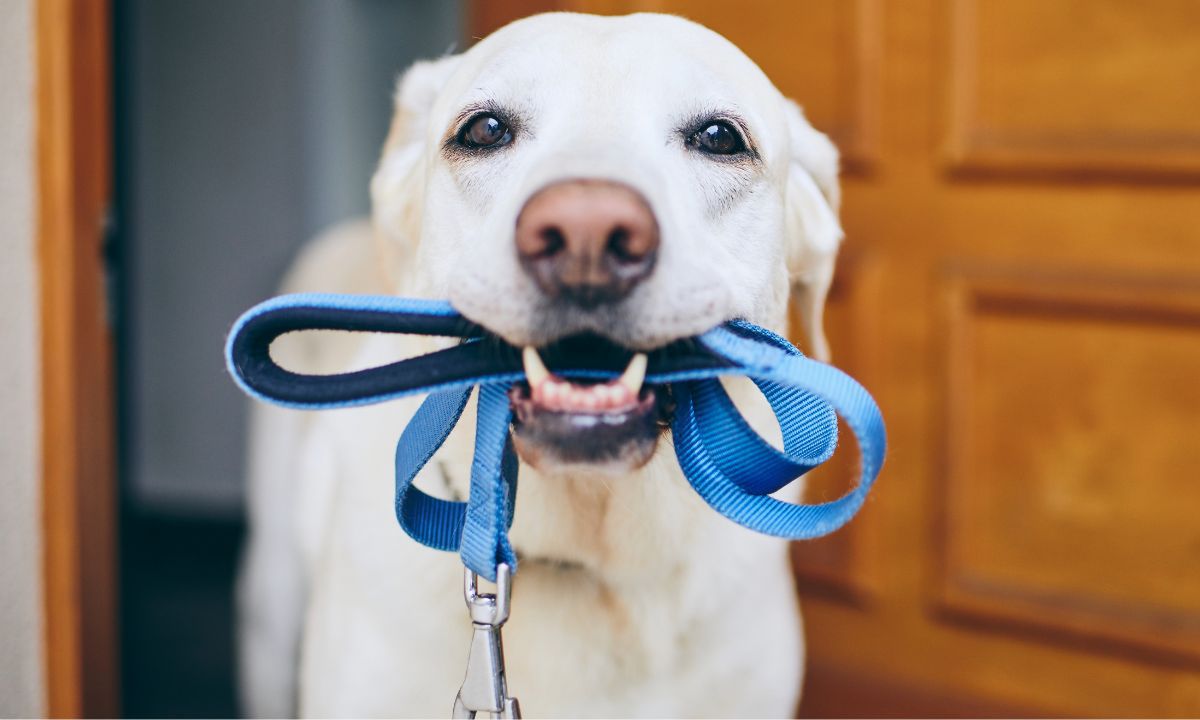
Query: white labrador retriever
(636,178)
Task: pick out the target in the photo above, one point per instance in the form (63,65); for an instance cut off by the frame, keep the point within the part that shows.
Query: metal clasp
(485,688)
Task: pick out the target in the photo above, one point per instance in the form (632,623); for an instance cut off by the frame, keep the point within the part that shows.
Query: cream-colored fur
(633,597)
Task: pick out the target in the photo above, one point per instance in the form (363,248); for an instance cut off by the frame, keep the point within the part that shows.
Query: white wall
(20,508)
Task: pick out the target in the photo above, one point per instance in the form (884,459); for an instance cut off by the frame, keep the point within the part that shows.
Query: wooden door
(79,491)
(1020,288)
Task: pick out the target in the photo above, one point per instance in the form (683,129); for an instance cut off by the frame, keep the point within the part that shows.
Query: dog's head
(623,181)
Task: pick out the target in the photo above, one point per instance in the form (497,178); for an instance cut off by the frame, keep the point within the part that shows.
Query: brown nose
(588,242)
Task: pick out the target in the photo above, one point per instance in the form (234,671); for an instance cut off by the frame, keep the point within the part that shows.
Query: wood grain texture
(1069,497)
(79,492)
(1070,87)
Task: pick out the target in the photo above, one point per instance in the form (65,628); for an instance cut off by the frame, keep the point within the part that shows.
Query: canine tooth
(634,374)
(535,369)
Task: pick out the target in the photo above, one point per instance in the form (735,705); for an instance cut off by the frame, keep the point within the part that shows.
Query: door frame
(79,493)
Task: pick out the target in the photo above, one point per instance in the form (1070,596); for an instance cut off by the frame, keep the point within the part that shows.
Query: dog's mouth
(588,421)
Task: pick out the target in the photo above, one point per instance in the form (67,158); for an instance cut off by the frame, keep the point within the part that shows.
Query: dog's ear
(813,232)
(397,188)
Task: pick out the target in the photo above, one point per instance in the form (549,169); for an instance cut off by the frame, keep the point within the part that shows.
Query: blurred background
(242,130)
(1019,288)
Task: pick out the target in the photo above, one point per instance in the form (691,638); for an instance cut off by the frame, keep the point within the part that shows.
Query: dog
(633,178)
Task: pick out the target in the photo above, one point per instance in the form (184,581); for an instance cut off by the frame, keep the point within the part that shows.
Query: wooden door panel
(1079,84)
(1070,493)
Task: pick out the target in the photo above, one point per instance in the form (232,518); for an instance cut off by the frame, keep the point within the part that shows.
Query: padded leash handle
(249,359)
(480,359)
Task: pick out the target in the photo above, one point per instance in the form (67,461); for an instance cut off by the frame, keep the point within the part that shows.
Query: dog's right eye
(484,131)
(717,138)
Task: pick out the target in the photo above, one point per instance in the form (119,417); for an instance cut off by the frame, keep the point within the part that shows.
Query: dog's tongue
(558,394)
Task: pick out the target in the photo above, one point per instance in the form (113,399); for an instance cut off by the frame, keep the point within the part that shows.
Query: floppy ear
(397,188)
(812,230)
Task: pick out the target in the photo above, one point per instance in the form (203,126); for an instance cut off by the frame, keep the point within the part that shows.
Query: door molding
(74,144)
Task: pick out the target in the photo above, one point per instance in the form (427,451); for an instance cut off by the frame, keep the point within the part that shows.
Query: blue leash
(727,463)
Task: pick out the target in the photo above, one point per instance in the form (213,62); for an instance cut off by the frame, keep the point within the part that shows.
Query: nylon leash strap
(732,468)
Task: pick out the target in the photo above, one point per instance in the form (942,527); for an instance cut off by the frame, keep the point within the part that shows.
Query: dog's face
(616,182)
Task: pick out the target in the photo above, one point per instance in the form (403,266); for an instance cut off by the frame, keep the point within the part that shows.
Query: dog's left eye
(484,131)
(718,138)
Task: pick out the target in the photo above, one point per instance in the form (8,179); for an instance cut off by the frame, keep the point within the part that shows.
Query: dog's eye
(718,138)
(485,131)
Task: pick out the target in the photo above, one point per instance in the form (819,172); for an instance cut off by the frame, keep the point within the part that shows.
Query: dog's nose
(588,242)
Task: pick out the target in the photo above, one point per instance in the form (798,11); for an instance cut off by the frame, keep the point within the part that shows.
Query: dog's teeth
(634,374)
(550,393)
(557,394)
(535,370)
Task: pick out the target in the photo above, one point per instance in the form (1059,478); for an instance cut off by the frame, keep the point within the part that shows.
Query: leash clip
(485,688)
